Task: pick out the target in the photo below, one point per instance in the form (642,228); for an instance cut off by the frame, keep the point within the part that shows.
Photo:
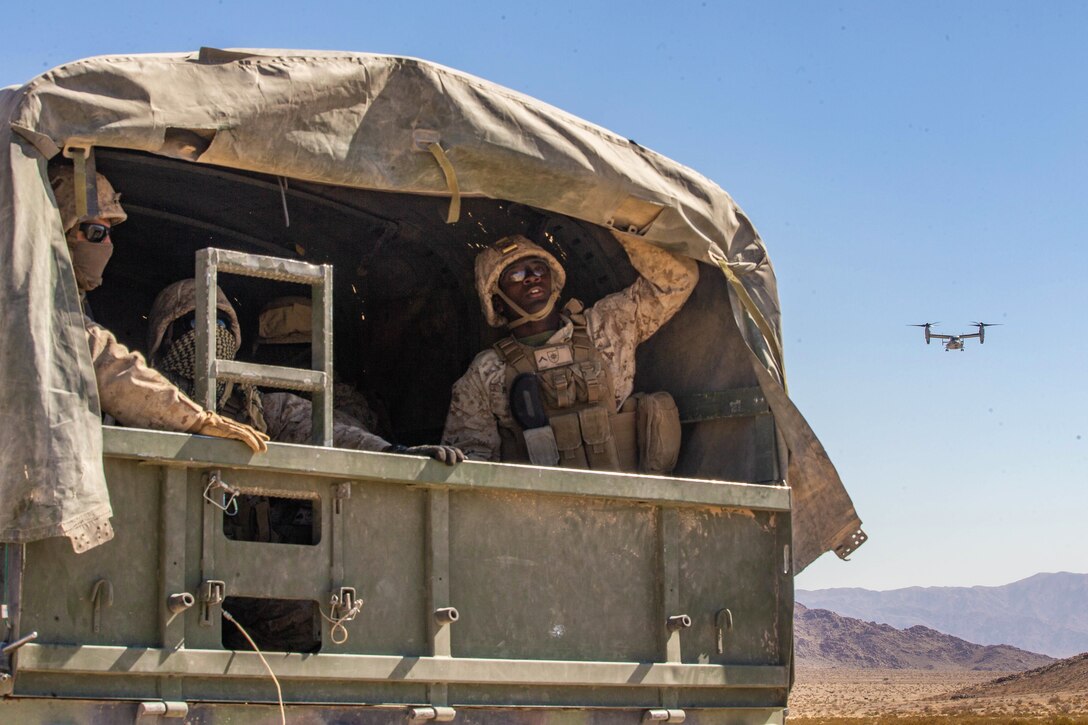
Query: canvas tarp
(357,120)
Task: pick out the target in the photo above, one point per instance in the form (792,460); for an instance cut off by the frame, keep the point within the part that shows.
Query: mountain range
(825,639)
(1044,613)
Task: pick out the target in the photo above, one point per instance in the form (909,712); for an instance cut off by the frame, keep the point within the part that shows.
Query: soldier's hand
(216,425)
(447,454)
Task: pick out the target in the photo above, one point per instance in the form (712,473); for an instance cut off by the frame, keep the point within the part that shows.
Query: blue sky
(905,162)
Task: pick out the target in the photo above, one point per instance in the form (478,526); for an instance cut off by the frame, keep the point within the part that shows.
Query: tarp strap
(451,180)
(85,181)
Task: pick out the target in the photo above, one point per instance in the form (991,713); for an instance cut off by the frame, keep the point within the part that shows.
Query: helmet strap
(526,316)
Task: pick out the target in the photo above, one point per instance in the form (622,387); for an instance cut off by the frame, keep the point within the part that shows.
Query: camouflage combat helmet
(491,262)
(178,300)
(109,201)
(286,321)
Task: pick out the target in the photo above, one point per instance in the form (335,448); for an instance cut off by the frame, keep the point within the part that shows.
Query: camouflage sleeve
(133,393)
(665,282)
(471,425)
(290,420)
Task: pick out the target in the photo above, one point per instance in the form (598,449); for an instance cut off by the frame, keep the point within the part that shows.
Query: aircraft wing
(973,334)
(937,336)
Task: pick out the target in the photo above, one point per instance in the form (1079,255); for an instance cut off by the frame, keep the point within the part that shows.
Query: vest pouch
(558,387)
(658,433)
(600,446)
(587,381)
(568,439)
(624,425)
(541,445)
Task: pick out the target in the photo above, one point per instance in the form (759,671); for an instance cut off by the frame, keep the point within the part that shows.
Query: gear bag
(658,433)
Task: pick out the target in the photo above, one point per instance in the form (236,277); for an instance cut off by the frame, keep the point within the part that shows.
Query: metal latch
(344,606)
(212,593)
(432,713)
(663,715)
(161,708)
(341,602)
(341,492)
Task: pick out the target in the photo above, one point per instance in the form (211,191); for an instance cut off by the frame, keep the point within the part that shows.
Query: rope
(283,197)
(293,494)
(279,692)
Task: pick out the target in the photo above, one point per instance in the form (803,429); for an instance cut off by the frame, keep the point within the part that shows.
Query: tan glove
(447,454)
(213,424)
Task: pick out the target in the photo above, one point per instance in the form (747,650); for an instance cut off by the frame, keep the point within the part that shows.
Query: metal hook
(96,600)
(214,481)
(724,623)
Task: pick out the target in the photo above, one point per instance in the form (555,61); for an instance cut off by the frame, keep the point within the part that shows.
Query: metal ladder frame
(209,371)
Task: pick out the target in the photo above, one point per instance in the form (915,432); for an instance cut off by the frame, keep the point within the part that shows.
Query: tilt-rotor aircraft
(956,342)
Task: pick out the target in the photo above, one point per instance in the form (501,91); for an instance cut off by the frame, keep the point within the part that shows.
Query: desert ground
(826,695)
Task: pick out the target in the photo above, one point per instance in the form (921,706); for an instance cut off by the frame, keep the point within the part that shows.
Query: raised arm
(665,282)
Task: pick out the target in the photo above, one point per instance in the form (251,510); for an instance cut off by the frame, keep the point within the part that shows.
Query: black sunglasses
(94,231)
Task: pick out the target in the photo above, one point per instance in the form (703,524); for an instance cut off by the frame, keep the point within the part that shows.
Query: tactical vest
(578,400)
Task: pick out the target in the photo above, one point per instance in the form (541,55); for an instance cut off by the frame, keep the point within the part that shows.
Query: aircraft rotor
(925,326)
(982,329)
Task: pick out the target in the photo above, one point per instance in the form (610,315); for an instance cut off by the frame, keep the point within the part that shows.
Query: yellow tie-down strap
(451,180)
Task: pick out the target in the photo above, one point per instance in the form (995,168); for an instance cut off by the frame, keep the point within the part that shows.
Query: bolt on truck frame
(481,593)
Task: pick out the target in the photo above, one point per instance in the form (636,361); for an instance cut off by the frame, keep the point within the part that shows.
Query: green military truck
(477,593)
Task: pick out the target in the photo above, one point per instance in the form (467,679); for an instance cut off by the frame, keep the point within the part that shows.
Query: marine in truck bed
(579,363)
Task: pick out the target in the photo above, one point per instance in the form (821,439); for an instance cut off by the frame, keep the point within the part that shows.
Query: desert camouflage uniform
(617,324)
(290,420)
(350,401)
(135,394)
